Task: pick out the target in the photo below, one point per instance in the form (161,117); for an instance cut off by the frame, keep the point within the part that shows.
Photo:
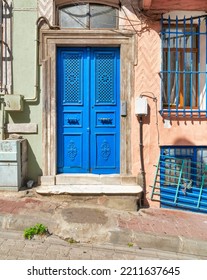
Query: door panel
(105,111)
(88,113)
(72,118)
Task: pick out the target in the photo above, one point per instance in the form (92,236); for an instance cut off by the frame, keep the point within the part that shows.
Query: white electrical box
(13,102)
(13,164)
(141,106)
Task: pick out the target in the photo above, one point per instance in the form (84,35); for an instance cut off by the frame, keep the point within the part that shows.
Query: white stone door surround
(49,41)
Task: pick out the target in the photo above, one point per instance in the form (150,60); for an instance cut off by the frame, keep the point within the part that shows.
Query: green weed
(72,240)
(38,229)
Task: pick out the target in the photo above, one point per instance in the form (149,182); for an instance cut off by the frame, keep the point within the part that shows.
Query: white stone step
(90,189)
(91,179)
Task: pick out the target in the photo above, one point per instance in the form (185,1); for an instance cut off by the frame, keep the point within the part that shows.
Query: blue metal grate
(72,78)
(105,79)
(184,72)
(181,178)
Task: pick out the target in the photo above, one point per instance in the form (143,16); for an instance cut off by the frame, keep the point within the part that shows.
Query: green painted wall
(24,61)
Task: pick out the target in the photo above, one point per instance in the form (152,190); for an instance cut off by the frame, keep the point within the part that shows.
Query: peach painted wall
(193,5)
(157,131)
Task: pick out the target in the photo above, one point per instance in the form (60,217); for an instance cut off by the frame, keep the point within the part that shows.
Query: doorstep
(120,197)
(91,189)
(87,179)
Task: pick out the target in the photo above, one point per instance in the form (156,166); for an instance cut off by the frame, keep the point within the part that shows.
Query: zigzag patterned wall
(45,8)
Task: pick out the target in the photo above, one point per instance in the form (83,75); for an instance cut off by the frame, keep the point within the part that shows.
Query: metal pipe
(36,86)
(2,134)
(36,77)
(1,43)
(141,147)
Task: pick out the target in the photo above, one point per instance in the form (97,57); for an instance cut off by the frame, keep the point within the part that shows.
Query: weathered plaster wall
(178,5)
(157,130)
(24,80)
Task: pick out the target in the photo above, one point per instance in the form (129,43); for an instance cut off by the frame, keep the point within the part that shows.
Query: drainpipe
(39,21)
(36,77)
(1,69)
(2,134)
(141,110)
(141,148)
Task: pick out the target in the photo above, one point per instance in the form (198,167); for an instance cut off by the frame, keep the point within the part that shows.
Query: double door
(88,110)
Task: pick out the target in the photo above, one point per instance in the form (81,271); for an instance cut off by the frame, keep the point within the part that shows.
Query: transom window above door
(88,16)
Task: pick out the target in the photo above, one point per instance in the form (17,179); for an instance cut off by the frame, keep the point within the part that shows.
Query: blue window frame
(183,177)
(184,71)
(191,161)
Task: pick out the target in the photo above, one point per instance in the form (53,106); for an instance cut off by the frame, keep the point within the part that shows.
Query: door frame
(49,41)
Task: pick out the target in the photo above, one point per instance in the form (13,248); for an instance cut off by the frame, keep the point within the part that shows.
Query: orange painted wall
(157,131)
(179,5)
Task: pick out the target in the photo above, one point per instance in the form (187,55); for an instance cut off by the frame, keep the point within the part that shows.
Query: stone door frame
(49,41)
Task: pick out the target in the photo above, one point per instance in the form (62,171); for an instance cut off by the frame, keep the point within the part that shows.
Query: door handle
(73,121)
(105,120)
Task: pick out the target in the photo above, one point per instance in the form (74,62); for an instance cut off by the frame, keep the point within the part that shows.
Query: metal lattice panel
(180,179)
(104,78)
(72,78)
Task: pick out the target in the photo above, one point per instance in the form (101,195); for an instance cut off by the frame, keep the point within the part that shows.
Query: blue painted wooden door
(88,110)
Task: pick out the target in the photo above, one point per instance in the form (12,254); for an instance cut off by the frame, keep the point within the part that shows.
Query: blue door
(88,110)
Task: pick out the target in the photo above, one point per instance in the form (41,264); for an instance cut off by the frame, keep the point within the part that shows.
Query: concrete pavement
(97,232)
(14,247)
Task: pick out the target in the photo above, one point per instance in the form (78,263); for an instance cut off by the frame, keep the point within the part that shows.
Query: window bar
(155,178)
(206,67)
(168,70)
(198,73)
(162,66)
(201,188)
(179,181)
(176,74)
(1,44)
(184,64)
(5,51)
(191,66)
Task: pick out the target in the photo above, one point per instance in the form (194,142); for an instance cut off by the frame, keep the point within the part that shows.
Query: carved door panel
(88,110)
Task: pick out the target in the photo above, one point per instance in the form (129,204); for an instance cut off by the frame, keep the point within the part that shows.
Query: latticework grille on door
(72,80)
(105,70)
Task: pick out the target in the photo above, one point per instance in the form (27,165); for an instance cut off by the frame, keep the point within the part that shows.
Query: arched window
(88,16)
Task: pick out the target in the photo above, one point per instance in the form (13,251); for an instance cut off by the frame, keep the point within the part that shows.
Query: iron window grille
(184,71)
(1,44)
(192,161)
(181,178)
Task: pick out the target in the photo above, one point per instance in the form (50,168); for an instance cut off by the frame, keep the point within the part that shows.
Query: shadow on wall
(183,142)
(33,170)
(20,116)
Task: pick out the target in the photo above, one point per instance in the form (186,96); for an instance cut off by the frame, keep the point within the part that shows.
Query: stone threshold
(91,189)
(87,179)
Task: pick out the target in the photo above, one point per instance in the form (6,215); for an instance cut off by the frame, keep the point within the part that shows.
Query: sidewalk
(95,226)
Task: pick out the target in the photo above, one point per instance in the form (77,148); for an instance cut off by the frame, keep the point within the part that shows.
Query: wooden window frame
(182,51)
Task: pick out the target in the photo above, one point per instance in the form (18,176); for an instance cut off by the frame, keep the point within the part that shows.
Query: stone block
(128,180)
(77,180)
(46,180)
